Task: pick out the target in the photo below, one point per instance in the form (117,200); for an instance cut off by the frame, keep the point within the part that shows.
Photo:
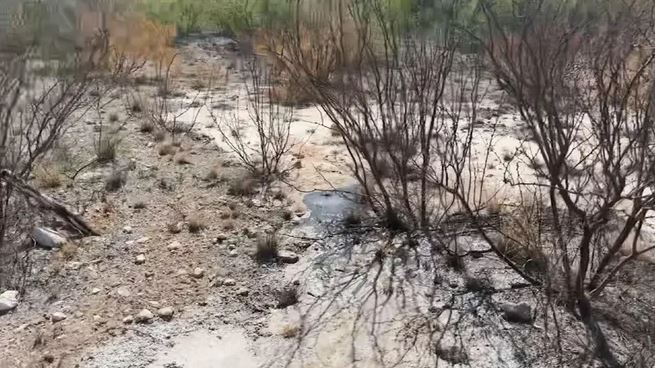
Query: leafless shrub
(166,149)
(266,157)
(584,91)
(242,185)
(146,126)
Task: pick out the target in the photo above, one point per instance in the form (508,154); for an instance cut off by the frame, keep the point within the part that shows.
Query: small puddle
(329,206)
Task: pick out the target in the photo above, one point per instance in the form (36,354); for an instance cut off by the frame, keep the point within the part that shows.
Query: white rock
(243,292)
(123,291)
(144,316)
(145,239)
(166,313)
(95,291)
(174,245)
(74,265)
(129,319)
(127,229)
(234,253)
(47,238)
(140,259)
(287,256)
(8,301)
(198,273)
(58,317)
(229,282)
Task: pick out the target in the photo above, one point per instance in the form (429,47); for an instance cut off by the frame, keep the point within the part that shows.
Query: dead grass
(107,148)
(197,224)
(166,149)
(266,247)
(68,251)
(159,135)
(242,185)
(212,174)
(115,181)
(48,177)
(287,297)
(146,126)
(521,233)
(183,159)
(289,331)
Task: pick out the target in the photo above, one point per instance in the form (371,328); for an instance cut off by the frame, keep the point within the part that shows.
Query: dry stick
(60,210)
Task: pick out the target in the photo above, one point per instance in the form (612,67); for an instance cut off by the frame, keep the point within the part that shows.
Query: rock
(8,301)
(154,304)
(145,239)
(123,291)
(243,292)
(129,319)
(287,256)
(58,317)
(74,265)
(95,291)
(517,313)
(234,253)
(174,245)
(220,238)
(229,282)
(127,230)
(47,238)
(166,313)
(145,316)
(140,259)
(198,273)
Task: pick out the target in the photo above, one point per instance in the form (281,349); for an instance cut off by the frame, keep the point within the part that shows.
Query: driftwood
(47,203)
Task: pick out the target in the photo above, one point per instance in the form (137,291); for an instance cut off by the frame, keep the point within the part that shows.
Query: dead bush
(48,176)
(115,181)
(197,224)
(107,148)
(266,247)
(242,185)
(166,149)
(146,126)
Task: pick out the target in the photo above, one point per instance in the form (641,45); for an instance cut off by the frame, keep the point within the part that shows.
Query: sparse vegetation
(107,148)
(266,247)
(197,224)
(115,181)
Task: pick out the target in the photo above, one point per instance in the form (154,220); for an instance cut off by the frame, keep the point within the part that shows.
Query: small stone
(229,282)
(145,239)
(8,301)
(243,292)
(174,245)
(129,319)
(95,291)
(287,256)
(74,265)
(58,317)
(517,313)
(140,259)
(127,229)
(234,253)
(198,273)
(47,238)
(166,313)
(154,304)
(181,272)
(123,291)
(145,316)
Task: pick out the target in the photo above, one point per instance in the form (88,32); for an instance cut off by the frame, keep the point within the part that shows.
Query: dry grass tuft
(146,126)
(197,224)
(242,185)
(68,251)
(115,181)
(287,297)
(159,135)
(48,177)
(107,148)
(167,149)
(266,247)
(289,331)
(182,159)
(522,237)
